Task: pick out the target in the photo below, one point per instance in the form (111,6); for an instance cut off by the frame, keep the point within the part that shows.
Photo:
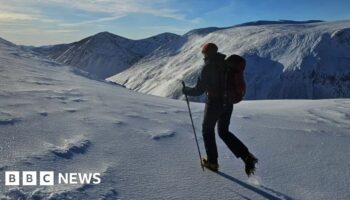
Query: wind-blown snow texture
(104,54)
(285,60)
(51,118)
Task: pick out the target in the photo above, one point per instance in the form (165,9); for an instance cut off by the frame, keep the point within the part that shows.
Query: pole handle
(194,130)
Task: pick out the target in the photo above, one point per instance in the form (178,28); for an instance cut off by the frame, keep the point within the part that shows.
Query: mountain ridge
(288,60)
(280,54)
(104,54)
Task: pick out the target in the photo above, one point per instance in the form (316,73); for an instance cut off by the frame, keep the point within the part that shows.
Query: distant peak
(104,33)
(166,34)
(202,31)
(163,35)
(107,36)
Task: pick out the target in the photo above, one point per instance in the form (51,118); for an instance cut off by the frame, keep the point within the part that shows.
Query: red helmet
(209,49)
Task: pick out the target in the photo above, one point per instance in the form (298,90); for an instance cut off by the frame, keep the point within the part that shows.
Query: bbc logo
(47,178)
(12,178)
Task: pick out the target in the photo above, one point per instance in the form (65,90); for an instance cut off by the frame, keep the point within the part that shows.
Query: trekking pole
(194,130)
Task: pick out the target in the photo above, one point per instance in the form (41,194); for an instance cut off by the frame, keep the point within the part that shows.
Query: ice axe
(194,130)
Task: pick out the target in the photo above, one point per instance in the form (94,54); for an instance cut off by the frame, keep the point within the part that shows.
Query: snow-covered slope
(53,119)
(104,54)
(5,44)
(268,22)
(284,60)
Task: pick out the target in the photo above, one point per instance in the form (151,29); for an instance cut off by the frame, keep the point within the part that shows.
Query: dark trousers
(216,112)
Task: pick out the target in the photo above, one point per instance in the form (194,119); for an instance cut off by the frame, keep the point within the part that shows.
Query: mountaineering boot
(250,162)
(211,166)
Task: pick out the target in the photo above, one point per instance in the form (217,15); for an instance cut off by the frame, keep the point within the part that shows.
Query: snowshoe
(211,166)
(250,162)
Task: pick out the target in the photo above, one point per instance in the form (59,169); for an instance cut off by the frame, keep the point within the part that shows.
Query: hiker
(217,111)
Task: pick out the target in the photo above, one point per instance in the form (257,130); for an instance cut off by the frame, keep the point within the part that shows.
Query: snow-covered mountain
(5,43)
(104,54)
(285,59)
(52,119)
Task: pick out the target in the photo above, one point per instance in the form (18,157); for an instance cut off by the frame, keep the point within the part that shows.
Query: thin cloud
(112,9)
(11,16)
(62,31)
(18,10)
(104,19)
(122,7)
(197,20)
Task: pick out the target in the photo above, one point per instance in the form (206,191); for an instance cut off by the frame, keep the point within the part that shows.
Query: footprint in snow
(179,111)
(41,83)
(9,121)
(119,122)
(135,115)
(71,110)
(162,134)
(56,97)
(244,116)
(161,112)
(43,113)
(69,150)
(78,100)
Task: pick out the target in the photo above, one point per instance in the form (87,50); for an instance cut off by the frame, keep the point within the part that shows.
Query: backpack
(235,86)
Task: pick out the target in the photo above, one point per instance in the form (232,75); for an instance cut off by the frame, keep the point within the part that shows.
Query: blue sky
(41,22)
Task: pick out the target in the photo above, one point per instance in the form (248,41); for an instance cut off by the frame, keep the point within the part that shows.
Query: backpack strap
(225,92)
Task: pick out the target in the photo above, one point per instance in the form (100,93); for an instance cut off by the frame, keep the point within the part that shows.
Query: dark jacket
(211,79)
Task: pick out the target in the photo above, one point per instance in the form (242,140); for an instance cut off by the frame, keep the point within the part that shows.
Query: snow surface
(285,60)
(53,118)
